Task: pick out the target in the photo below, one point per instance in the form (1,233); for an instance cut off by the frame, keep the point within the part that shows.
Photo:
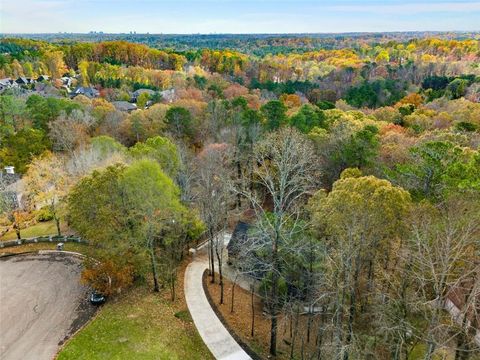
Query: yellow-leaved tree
(47,184)
(360,222)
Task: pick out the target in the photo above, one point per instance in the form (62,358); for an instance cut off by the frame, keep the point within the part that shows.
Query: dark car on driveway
(96,298)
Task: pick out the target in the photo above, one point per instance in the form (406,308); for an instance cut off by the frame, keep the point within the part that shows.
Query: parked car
(96,298)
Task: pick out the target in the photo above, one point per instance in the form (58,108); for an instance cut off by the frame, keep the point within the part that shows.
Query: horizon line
(99,32)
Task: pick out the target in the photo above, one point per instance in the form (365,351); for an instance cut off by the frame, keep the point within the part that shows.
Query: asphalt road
(41,304)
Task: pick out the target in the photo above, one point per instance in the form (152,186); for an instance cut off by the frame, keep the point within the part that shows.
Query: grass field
(42,228)
(139,325)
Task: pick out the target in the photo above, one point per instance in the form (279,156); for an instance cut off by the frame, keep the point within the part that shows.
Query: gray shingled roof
(124,106)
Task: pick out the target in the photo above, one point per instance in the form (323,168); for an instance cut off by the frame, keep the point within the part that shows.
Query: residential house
(237,241)
(124,106)
(139,92)
(469,315)
(24,81)
(66,81)
(4,84)
(87,91)
(7,83)
(43,78)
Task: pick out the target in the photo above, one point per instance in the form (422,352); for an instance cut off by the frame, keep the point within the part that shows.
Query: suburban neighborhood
(295,180)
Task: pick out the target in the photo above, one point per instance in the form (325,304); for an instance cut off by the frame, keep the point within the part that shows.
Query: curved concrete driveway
(217,338)
(41,303)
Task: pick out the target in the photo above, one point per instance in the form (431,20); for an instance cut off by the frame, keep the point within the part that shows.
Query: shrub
(44,214)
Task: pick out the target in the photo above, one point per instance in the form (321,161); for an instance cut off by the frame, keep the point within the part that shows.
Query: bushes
(44,214)
(109,276)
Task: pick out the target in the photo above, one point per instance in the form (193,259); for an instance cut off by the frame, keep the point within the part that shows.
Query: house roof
(138,92)
(87,91)
(238,239)
(458,295)
(5,81)
(23,80)
(124,105)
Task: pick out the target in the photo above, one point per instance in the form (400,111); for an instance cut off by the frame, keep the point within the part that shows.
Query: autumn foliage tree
(48,184)
(361,222)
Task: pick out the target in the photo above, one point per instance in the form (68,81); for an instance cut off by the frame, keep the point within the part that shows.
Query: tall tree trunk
(172,284)
(339,309)
(320,332)
(274,297)
(212,260)
(57,223)
(309,322)
(431,346)
(16,226)
(273,328)
(463,349)
(295,333)
(309,288)
(233,293)
(220,272)
(352,307)
(156,287)
(252,331)
(239,178)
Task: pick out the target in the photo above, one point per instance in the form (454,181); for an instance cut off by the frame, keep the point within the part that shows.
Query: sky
(237,16)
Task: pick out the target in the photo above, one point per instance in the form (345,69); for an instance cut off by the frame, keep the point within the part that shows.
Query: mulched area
(240,321)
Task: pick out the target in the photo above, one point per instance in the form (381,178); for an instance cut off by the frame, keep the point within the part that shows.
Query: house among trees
(87,91)
(24,81)
(43,78)
(66,81)
(7,83)
(237,241)
(8,178)
(465,315)
(4,84)
(139,92)
(124,106)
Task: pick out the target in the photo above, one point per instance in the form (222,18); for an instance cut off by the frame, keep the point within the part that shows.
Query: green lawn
(39,229)
(139,325)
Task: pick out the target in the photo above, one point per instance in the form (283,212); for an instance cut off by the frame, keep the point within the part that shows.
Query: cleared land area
(42,304)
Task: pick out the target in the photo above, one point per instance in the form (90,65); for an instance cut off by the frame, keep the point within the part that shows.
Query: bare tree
(444,246)
(284,173)
(69,131)
(213,200)
(186,175)
(88,158)
(11,204)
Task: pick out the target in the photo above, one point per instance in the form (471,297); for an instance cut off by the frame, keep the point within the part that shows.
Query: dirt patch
(245,346)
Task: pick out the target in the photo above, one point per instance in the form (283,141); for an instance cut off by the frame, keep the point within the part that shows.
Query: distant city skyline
(232,16)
